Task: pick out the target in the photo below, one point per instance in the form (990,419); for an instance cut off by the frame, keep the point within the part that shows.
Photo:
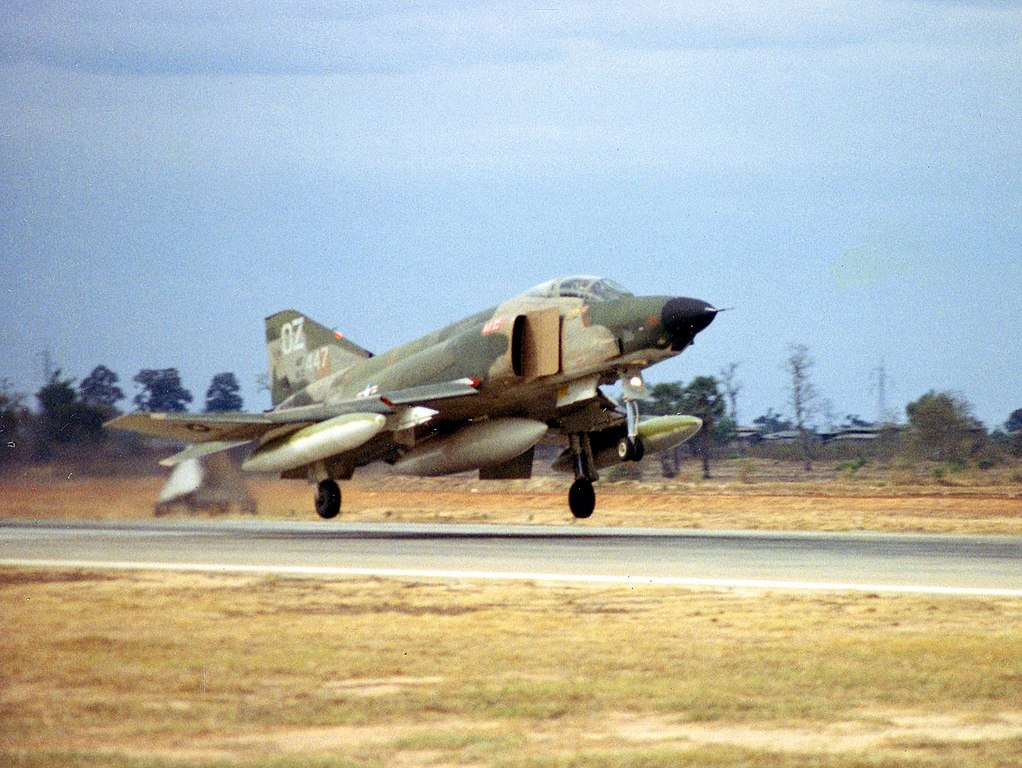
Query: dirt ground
(979,505)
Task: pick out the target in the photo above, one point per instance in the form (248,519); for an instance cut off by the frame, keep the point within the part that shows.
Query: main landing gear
(581,496)
(328,499)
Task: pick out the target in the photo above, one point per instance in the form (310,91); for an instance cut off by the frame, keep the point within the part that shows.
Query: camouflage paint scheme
(541,356)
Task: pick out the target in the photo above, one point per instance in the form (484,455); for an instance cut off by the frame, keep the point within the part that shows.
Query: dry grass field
(183,670)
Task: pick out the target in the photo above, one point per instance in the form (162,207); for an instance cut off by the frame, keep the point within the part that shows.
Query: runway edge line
(565,578)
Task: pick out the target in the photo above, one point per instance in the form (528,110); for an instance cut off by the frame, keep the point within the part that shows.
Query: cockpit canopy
(586,287)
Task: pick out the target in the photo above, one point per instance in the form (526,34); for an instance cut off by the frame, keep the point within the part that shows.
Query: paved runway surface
(835,561)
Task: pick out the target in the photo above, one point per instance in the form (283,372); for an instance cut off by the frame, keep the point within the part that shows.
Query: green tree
(1014,422)
(161,391)
(725,431)
(771,422)
(222,394)
(10,437)
(64,417)
(943,427)
(665,399)
(100,388)
(702,397)
(56,401)
(1013,428)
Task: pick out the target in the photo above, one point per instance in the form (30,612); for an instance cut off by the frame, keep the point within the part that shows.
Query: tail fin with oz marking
(301,351)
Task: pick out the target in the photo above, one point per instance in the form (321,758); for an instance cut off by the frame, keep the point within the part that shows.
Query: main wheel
(582,498)
(328,499)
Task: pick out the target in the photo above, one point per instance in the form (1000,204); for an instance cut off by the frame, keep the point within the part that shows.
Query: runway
(924,564)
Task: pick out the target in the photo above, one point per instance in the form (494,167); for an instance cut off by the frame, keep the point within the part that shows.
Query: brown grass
(824,504)
(193,669)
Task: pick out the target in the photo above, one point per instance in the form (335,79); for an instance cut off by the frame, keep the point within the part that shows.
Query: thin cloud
(181,39)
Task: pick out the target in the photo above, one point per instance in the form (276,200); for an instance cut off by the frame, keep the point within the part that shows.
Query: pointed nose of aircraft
(683,318)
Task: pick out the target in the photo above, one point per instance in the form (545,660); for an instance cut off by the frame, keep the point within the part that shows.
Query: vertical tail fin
(301,351)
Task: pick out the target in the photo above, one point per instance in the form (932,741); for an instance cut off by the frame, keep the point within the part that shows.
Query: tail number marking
(292,336)
(319,361)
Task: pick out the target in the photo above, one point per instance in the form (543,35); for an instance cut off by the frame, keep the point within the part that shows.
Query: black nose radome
(684,318)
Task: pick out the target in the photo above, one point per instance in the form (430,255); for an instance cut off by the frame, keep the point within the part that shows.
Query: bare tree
(732,387)
(805,400)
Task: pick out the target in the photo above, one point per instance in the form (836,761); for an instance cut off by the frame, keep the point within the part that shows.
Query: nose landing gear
(630,447)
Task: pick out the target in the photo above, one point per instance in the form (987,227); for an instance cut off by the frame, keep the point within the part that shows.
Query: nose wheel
(630,449)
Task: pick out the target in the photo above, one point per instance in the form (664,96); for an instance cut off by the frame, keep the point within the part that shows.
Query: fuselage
(524,352)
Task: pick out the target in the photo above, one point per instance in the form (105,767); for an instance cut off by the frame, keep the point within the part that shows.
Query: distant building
(747,436)
(860,434)
(787,436)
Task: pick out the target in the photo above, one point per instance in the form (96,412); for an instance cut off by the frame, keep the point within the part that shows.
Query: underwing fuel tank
(662,432)
(483,444)
(315,442)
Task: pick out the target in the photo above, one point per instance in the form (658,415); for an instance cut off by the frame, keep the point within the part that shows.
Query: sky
(845,175)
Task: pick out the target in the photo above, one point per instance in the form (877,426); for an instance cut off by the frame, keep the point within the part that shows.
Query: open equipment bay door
(536,344)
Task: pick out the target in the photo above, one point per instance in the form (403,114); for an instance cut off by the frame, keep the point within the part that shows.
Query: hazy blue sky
(847,175)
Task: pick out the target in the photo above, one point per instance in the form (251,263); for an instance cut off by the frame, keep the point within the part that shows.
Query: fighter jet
(478,395)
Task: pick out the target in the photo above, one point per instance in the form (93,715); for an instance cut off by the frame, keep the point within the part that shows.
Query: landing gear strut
(328,499)
(630,447)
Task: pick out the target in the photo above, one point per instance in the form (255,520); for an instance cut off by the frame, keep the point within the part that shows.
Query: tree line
(940,426)
(69,414)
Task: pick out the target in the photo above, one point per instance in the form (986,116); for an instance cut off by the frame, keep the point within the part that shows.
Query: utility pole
(880,383)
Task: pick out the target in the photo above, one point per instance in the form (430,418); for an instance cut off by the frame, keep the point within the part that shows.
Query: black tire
(582,498)
(328,499)
(638,450)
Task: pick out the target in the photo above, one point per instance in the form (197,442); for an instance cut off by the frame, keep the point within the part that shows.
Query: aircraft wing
(195,427)
(232,429)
